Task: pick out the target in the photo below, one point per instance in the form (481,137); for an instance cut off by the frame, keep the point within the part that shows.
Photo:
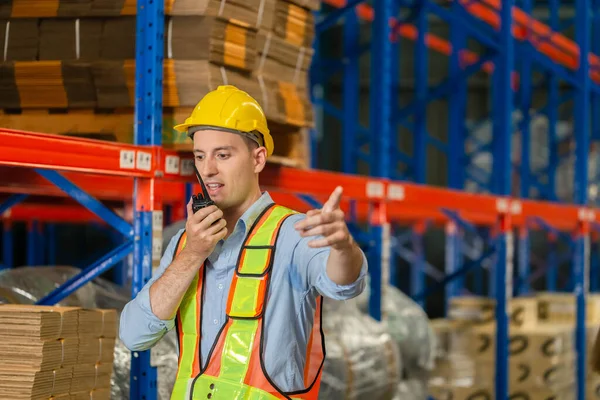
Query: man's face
(227,165)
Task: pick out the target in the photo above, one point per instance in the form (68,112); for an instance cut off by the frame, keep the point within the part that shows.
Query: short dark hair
(250,143)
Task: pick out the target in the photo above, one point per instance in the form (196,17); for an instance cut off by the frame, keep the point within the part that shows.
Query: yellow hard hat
(231,109)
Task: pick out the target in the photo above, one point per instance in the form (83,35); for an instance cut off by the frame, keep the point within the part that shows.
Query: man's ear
(260,159)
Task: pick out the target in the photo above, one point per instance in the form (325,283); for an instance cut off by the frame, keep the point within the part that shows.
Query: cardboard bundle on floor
(541,356)
(87,377)
(56,352)
(561,308)
(38,347)
(38,322)
(38,354)
(97,336)
(96,394)
(95,350)
(97,323)
(21,383)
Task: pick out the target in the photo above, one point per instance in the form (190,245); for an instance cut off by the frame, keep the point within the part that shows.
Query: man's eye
(223,156)
(199,157)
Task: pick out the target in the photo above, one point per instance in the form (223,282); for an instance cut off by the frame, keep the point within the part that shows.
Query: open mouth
(213,188)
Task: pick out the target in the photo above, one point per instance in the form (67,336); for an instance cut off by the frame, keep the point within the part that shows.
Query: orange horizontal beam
(39,150)
(432,41)
(52,213)
(553,44)
(102,187)
(404,202)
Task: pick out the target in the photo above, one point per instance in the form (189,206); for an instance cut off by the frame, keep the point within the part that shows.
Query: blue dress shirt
(298,276)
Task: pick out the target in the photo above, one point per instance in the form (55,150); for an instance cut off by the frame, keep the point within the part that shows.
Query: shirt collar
(253,212)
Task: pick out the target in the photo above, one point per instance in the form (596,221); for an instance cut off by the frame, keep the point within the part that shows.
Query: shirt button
(215,322)
(220,286)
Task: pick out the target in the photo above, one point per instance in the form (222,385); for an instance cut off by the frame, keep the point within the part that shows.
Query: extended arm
(345,260)
(336,264)
(344,264)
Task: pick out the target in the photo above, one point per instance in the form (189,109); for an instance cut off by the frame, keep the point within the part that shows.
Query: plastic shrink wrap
(362,359)
(410,327)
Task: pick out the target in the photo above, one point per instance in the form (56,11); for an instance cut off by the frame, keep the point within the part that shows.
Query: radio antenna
(204,190)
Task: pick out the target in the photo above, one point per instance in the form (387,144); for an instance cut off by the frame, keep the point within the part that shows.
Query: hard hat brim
(182,127)
(268,140)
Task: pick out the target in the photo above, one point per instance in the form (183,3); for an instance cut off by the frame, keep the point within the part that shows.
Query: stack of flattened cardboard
(284,56)
(38,349)
(80,55)
(56,352)
(97,336)
(195,47)
(541,355)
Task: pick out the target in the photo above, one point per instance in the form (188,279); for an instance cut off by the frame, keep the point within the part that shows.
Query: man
(243,283)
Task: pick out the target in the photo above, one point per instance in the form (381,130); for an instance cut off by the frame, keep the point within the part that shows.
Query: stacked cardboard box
(80,56)
(542,352)
(56,352)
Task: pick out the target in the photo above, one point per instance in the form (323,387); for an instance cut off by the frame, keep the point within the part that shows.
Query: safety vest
(235,365)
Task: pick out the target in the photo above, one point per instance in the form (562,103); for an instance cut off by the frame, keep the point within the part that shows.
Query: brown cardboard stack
(284,57)
(97,336)
(38,350)
(541,355)
(56,352)
(80,55)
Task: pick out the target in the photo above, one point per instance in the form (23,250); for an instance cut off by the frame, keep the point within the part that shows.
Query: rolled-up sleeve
(311,263)
(139,327)
(329,288)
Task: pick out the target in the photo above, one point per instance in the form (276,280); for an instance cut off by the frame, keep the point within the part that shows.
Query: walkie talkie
(201,200)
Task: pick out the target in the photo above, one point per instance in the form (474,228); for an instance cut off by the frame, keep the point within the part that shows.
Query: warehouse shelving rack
(97,172)
(517,48)
(151,177)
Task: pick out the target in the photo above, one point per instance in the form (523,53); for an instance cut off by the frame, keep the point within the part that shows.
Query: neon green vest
(234,369)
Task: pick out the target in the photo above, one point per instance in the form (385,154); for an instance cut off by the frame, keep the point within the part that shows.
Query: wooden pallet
(291,142)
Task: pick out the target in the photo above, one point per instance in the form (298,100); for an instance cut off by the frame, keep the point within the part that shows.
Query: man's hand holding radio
(204,230)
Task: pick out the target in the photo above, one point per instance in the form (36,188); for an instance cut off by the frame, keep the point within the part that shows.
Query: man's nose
(210,167)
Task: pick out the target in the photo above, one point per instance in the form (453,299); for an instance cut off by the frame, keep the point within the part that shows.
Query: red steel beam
(553,44)
(39,150)
(559,48)
(52,213)
(404,202)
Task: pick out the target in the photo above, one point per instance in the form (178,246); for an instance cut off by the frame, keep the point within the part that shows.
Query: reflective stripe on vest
(235,369)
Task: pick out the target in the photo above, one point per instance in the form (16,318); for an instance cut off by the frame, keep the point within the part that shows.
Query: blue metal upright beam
(582,143)
(351,93)
(420,133)
(148,131)
(382,137)
(502,170)
(457,107)
(525,91)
